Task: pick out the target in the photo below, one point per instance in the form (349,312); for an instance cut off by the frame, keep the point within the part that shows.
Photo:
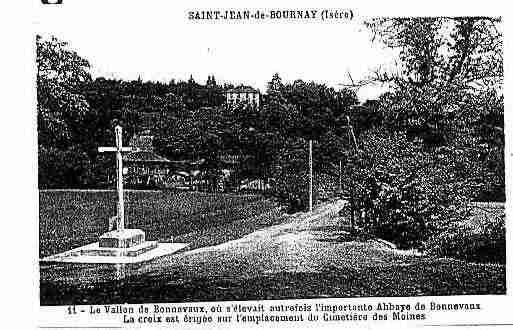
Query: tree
(461,51)
(430,155)
(290,174)
(60,106)
(293,114)
(61,110)
(450,66)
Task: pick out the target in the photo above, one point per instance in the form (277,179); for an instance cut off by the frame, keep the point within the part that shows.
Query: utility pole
(351,136)
(340,175)
(310,188)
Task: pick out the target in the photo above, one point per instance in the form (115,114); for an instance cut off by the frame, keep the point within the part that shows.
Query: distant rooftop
(144,141)
(145,154)
(242,89)
(144,157)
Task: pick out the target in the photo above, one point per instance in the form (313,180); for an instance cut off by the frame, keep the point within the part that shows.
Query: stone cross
(118,149)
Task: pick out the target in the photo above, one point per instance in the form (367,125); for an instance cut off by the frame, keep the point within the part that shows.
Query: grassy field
(69,219)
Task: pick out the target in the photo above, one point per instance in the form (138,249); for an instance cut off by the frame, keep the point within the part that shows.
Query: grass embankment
(481,237)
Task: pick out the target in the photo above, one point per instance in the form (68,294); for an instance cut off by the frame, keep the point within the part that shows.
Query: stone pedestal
(123,239)
(124,246)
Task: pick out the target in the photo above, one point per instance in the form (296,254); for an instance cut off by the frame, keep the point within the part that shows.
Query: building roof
(242,89)
(144,157)
(145,152)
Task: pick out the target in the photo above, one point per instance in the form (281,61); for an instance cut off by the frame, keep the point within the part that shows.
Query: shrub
(405,192)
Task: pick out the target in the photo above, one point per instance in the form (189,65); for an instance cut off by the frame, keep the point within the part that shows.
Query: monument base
(124,238)
(94,254)
(133,251)
(124,246)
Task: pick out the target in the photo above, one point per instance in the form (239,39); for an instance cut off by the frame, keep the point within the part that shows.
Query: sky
(163,44)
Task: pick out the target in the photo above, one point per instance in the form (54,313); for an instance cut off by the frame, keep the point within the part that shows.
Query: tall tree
(60,105)
(61,109)
(432,143)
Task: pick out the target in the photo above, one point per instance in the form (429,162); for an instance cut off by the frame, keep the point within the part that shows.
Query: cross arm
(114,149)
(107,149)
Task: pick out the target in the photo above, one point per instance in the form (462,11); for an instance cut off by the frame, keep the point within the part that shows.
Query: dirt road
(306,243)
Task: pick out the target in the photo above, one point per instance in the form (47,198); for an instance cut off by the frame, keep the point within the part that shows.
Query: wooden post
(352,203)
(340,176)
(351,136)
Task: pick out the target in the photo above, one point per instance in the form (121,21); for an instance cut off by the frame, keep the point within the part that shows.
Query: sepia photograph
(363,158)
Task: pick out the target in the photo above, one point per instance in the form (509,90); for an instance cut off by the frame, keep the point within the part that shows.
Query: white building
(246,95)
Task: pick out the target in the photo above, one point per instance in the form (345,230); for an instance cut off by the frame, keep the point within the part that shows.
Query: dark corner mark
(51,2)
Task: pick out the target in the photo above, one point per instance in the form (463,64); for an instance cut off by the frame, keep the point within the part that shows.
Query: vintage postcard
(221,165)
